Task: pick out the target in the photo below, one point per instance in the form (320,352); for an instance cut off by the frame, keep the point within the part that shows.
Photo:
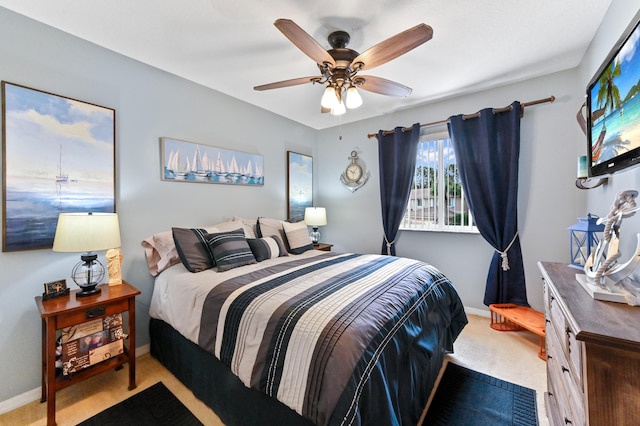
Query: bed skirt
(214,384)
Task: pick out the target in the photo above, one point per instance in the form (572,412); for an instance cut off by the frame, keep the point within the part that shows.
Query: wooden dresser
(593,354)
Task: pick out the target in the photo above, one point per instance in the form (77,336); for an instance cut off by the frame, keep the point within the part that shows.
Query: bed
(311,338)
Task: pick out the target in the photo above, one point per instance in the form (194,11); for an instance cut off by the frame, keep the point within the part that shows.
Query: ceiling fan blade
(287,83)
(304,42)
(393,47)
(382,86)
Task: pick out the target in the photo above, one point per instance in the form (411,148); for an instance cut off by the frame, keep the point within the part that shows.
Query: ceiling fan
(339,66)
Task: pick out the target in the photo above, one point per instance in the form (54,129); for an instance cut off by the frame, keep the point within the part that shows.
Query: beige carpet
(510,356)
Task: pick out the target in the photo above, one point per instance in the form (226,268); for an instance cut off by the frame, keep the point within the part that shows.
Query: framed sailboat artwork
(58,156)
(184,161)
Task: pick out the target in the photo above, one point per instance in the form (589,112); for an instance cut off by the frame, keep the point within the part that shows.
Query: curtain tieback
(503,254)
(388,244)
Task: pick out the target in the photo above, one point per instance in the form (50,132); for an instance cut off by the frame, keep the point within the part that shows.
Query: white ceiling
(232,46)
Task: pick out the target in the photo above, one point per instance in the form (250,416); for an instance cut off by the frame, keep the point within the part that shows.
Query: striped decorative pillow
(267,247)
(230,249)
(297,236)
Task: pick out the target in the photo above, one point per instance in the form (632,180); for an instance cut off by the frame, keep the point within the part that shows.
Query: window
(436,201)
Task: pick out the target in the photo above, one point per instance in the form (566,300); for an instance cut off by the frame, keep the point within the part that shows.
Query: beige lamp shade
(315,216)
(86,232)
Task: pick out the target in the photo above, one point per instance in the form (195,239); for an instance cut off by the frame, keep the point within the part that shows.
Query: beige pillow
(249,226)
(231,225)
(297,237)
(267,227)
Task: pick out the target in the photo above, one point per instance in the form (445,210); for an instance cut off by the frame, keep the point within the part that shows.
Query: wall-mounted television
(613,107)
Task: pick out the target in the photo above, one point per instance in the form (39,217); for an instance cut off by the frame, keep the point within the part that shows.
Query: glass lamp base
(315,236)
(88,274)
(88,291)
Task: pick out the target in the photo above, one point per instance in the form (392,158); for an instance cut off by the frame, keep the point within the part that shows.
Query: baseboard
(479,312)
(142,350)
(20,400)
(35,394)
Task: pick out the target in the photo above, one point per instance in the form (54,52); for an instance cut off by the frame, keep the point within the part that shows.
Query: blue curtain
(487,150)
(397,157)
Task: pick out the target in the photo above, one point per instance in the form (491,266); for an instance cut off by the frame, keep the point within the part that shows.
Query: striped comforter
(339,338)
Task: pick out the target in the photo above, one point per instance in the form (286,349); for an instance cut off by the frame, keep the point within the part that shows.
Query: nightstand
(65,311)
(323,247)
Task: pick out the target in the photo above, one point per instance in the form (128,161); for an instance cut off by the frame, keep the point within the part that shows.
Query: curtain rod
(466,117)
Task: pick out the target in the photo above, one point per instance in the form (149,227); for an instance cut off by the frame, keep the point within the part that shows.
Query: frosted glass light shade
(339,109)
(329,98)
(354,100)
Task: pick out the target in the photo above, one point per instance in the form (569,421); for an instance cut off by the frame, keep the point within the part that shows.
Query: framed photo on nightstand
(55,289)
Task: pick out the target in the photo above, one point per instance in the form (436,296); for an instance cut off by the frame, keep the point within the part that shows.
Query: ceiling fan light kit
(329,97)
(338,109)
(354,100)
(340,65)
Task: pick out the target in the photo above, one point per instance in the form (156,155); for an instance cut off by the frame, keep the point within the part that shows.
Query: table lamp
(87,233)
(315,217)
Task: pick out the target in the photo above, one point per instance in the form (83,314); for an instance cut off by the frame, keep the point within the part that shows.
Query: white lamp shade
(86,232)
(315,216)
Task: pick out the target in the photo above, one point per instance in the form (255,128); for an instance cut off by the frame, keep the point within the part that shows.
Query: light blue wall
(149,104)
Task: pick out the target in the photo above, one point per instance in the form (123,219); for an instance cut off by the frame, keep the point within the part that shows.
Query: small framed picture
(55,289)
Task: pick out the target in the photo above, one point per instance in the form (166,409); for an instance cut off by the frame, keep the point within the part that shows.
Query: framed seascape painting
(58,156)
(299,185)
(192,162)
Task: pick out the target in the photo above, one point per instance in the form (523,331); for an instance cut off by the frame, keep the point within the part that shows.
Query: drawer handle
(547,321)
(549,357)
(567,421)
(568,330)
(565,369)
(95,312)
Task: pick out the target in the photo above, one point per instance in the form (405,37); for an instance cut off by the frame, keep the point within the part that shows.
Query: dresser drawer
(556,317)
(568,391)
(561,329)
(83,315)
(575,350)
(558,411)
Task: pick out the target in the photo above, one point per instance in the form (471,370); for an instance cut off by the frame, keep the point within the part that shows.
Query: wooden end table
(65,311)
(322,246)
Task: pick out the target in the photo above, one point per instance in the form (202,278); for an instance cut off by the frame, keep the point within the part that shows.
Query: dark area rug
(467,397)
(154,406)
